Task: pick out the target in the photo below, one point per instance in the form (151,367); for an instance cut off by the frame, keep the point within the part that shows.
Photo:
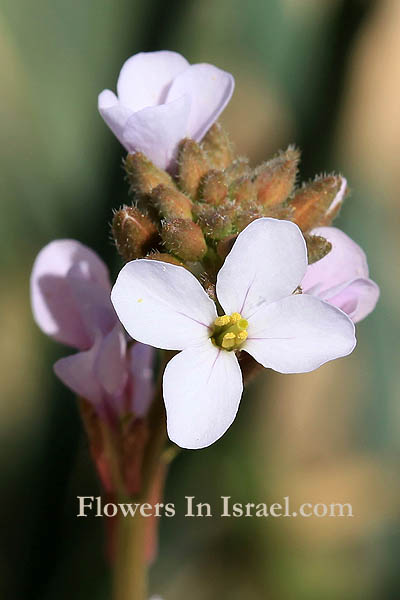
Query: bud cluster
(192,218)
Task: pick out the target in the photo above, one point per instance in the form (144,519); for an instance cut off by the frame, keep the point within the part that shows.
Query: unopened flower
(163,99)
(165,306)
(70,292)
(342,277)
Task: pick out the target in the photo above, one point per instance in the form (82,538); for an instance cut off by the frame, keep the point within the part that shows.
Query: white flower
(165,306)
(162,99)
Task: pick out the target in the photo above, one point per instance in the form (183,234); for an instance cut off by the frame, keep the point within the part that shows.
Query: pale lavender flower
(165,306)
(163,99)
(70,294)
(342,276)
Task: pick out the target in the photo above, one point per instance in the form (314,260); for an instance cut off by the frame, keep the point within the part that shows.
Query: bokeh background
(324,74)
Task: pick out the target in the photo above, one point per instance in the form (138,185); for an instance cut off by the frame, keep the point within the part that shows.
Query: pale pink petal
(114,113)
(202,390)
(77,373)
(341,277)
(299,334)
(266,263)
(110,367)
(58,268)
(210,89)
(357,299)
(162,305)
(145,78)
(141,360)
(346,261)
(156,131)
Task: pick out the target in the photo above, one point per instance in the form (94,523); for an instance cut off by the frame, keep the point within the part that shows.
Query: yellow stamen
(230,331)
(222,321)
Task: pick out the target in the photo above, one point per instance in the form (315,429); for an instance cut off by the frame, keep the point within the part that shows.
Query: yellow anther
(228,341)
(235,317)
(230,331)
(222,321)
(242,336)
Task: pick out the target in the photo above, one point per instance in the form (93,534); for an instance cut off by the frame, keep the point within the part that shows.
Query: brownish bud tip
(193,165)
(143,175)
(214,188)
(215,222)
(225,246)
(243,192)
(317,247)
(184,239)
(134,233)
(239,168)
(218,147)
(317,203)
(171,203)
(275,179)
(165,257)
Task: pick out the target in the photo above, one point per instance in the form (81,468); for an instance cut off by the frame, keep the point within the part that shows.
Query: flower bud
(193,165)
(184,239)
(134,233)
(143,175)
(242,192)
(225,246)
(214,188)
(165,257)
(218,147)
(317,247)
(239,168)
(216,223)
(275,179)
(317,203)
(171,203)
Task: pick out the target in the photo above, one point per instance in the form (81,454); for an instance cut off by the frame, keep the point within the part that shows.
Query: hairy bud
(171,203)
(218,147)
(317,203)
(275,179)
(184,239)
(239,168)
(134,233)
(317,247)
(215,222)
(214,188)
(143,175)
(242,192)
(165,257)
(193,165)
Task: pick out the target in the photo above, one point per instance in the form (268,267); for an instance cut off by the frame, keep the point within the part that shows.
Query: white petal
(210,89)
(145,78)
(266,263)
(162,305)
(114,113)
(299,334)
(156,131)
(202,390)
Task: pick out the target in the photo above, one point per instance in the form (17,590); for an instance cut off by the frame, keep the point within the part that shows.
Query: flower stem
(130,574)
(130,570)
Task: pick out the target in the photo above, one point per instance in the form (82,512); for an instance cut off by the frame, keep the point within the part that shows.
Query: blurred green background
(324,74)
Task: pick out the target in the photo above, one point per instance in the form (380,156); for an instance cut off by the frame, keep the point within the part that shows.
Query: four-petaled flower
(163,99)
(165,306)
(342,276)
(70,292)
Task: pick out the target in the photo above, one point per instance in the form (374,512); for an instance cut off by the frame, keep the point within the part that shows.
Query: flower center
(230,331)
